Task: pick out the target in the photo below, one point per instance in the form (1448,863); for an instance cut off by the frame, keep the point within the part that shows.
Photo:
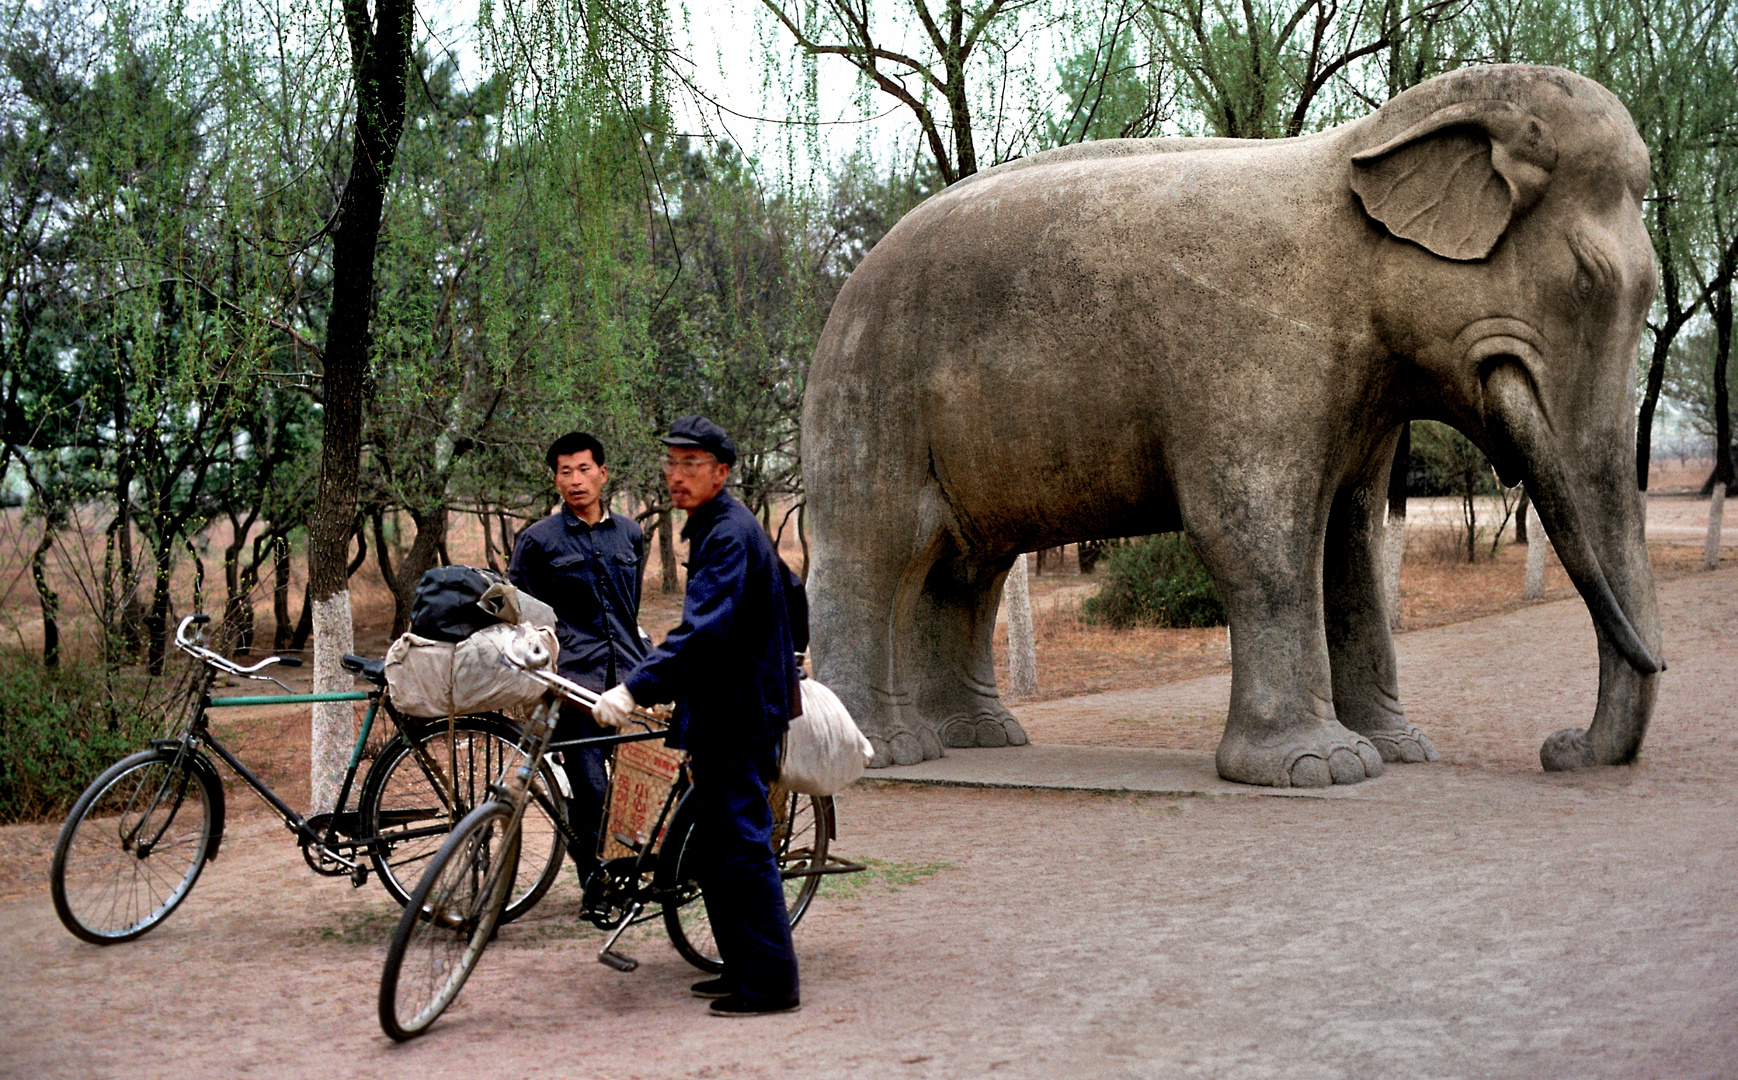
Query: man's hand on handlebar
(614,708)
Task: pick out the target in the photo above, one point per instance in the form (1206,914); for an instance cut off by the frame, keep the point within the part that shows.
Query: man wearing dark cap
(585,562)
(730,668)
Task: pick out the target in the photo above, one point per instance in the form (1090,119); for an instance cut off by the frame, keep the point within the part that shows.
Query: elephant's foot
(900,745)
(1567,749)
(1312,754)
(1378,717)
(986,728)
(1406,745)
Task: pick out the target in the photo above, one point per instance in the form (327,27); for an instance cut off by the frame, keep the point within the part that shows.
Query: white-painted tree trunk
(1537,544)
(1393,549)
(1022,645)
(334,722)
(1716,511)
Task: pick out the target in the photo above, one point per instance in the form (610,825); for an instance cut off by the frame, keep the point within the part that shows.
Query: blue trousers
(587,780)
(738,872)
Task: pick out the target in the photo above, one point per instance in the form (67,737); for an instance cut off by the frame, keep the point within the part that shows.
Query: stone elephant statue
(1223,337)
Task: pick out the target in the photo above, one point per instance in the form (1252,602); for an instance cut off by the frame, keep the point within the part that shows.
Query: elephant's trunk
(1521,435)
(1628,666)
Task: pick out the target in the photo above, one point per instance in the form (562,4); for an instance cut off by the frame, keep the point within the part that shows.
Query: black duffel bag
(446,608)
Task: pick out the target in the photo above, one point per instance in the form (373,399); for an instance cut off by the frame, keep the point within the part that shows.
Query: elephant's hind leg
(953,666)
(861,590)
(1360,644)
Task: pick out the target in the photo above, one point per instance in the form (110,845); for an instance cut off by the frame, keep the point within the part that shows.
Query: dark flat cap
(701,434)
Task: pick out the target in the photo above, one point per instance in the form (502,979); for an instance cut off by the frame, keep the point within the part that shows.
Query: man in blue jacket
(585,562)
(731,669)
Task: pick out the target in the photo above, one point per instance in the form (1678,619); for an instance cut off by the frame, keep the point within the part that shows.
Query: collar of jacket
(705,514)
(574,521)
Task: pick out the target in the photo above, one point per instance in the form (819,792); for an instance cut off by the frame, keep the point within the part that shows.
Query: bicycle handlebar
(192,647)
(531,657)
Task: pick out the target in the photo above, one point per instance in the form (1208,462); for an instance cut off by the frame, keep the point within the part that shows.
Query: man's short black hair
(572,443)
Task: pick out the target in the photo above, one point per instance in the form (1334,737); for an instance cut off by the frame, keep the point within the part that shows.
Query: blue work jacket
(730,667)
(590,575)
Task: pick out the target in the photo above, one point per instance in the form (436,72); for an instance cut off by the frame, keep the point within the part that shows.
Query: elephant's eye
(1583,284)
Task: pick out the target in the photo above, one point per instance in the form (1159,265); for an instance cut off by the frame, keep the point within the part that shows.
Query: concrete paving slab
(1087,768)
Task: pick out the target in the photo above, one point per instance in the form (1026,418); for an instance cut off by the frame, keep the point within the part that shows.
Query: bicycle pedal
(627,841)
(617,961)
(359,876)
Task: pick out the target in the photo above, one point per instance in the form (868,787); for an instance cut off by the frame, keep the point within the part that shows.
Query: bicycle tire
(801,832)
(451,917)
(105,891)
(399,804)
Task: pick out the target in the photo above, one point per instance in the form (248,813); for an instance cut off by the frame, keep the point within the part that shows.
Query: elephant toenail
(991,733)
(958,732)
(906,749)
(1372,761)
(1310,771)
(1345,766)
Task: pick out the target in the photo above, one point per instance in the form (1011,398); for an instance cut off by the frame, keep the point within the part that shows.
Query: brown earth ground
(1470,918)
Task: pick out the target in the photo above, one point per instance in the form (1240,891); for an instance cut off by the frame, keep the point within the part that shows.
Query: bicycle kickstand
(616,960)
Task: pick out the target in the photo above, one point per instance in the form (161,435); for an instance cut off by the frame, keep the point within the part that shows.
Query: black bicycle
(141,833)
(453,915)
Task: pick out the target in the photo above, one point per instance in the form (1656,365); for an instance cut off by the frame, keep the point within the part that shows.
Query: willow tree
(379,63)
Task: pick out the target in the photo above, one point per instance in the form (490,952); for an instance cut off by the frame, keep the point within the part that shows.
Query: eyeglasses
(689,468)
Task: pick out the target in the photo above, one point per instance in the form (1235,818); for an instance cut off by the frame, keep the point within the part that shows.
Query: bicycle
(456,909)
(137,839)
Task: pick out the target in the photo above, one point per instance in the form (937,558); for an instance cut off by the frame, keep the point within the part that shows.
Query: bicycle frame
(346,853)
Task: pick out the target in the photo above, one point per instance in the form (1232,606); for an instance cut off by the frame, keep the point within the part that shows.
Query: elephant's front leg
(1360,645)
(1281,731)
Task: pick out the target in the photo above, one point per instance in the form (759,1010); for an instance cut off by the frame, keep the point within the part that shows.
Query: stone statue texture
(1223,337)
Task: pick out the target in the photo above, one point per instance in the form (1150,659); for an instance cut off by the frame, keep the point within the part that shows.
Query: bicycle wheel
(409,811)
(134,844)
(451,916)
(800,836)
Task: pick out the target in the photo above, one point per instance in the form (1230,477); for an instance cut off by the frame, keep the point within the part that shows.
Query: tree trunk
(157,623)
(424,550)
(281,593)
(1022,643)
(1537,544)
(1716,511)
(237,630)
(305,622)
(378,64)
(127,606)
(1722,477)
(489,542)
(667,579)
(1394,535)
(49,599)
(1522,531)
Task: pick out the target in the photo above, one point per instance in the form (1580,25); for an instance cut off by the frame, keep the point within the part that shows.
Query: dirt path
(1470,918)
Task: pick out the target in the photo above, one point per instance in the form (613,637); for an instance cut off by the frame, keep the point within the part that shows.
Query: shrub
(57,732)
(1155,581)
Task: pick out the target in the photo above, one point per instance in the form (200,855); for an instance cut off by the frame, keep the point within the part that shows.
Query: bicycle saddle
(372,670)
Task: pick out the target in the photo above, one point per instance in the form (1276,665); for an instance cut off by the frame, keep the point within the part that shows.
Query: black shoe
(738,1006)
(711,988)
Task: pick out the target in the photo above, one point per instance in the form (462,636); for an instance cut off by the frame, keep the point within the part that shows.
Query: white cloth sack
(446,678)
(824,752)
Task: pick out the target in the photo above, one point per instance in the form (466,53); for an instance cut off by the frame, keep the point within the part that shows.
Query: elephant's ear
(1452,182)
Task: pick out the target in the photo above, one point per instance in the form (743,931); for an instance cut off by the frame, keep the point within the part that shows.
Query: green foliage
(57,732)
(1154,581)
